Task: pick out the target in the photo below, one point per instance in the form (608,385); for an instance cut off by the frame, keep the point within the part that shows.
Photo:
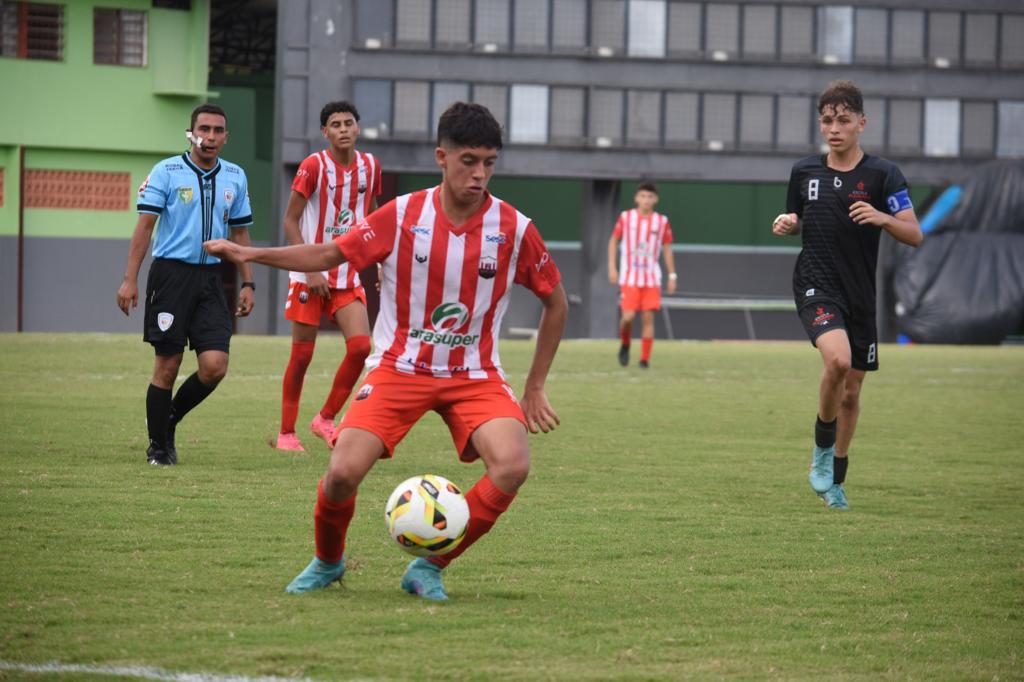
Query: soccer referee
(196,196)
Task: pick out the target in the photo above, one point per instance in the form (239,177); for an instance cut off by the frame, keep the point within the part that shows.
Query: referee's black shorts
(185,303)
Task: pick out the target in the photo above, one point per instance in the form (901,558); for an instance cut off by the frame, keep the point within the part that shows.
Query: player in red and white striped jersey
(644,234)
(449,257)
(333,190)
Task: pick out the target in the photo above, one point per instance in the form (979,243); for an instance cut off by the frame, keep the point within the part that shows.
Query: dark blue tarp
(965,283)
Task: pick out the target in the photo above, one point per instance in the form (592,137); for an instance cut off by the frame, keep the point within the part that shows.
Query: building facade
(714,100)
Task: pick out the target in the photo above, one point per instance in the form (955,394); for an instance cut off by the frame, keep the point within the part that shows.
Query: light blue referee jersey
(194,205)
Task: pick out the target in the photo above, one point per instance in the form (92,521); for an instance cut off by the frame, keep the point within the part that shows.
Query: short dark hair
(468,125)
(207,109)
(342,107)
(647,187)
(842,93)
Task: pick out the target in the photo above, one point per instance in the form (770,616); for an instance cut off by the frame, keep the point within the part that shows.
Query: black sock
(839,465)
(191,393)
(158,411)
(824,433)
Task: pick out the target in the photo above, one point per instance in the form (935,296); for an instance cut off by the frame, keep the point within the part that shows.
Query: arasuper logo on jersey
(446,317)
(342,224)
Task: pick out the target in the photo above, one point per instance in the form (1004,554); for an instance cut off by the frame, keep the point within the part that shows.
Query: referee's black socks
(191,393)
(158,412)
(824,433)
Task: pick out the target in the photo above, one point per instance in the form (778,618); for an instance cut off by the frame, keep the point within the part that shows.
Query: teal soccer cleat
(835,498)
(821,469)
(316,576)
(424,579)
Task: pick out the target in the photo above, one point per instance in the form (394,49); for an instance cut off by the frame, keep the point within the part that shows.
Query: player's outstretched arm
(128,292)
(303,258)
(246,297)
(540,416)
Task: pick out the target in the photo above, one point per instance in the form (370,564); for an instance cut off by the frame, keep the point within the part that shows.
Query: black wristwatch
(251,285)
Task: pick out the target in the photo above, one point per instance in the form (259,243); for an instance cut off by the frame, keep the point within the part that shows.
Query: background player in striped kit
(450,255)
(644,233)
(333,190)
(840,202)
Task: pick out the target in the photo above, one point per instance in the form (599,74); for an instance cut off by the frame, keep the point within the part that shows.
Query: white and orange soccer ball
(427,515)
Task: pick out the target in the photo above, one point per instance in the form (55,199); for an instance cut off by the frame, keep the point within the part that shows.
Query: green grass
(667,530)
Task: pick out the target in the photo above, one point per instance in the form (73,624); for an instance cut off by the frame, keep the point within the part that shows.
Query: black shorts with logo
(185,303)
(820,315)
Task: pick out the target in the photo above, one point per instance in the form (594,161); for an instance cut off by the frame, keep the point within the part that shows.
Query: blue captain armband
(899,201)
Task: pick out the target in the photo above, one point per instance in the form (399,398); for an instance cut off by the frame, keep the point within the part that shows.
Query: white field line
(139,672)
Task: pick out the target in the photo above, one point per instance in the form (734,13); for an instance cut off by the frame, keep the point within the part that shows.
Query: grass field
(667,531)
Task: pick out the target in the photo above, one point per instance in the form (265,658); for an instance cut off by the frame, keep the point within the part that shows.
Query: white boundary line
(139,672)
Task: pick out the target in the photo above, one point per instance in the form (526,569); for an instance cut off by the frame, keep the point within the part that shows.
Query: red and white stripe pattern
(642,238)
(444,290)
(337,199)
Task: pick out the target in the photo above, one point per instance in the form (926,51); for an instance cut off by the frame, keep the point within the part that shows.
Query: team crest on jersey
(164,321)
(488,267)
(229,196)
(185,194)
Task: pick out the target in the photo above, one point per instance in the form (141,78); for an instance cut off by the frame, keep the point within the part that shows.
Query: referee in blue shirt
(196,197)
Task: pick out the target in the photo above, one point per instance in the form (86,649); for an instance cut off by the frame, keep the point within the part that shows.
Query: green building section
(726,214)
(9,159)
(76,115)
(554,205)
(249,104)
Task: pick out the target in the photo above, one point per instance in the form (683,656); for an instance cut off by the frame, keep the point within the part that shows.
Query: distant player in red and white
(333,190)
(644,234)
(449,257)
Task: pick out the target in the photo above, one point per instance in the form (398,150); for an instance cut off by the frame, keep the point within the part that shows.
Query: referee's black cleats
(623,355)
(158,457)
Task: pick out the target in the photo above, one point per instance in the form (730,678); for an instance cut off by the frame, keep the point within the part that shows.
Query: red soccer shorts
(306,307)
(388,403)
(640,298)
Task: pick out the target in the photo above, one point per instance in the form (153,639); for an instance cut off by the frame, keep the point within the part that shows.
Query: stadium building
(711,100)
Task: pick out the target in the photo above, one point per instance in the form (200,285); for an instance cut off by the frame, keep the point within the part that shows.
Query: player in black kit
(840,202)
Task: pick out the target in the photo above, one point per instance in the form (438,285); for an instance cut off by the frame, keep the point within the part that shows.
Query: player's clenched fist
(784,224)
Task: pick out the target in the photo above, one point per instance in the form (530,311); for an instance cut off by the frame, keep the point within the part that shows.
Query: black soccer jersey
(838,256)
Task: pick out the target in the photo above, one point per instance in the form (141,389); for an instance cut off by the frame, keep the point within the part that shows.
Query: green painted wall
(47,222)
(75,104)
(721,213)
(12,186)
(555,206)
(250,143)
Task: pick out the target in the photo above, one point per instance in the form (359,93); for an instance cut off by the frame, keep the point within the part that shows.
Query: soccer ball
(427,515)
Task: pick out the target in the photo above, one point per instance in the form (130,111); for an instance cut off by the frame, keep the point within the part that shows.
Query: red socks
(357,349)
(298,363)
(625,333)
(486,504)
(330,521)
(645,349)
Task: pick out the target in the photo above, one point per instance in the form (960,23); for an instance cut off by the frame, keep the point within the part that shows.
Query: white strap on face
(197,141)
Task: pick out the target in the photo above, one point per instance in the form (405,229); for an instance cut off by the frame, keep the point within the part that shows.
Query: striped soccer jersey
(641,240)
(336,199)
(444,289)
